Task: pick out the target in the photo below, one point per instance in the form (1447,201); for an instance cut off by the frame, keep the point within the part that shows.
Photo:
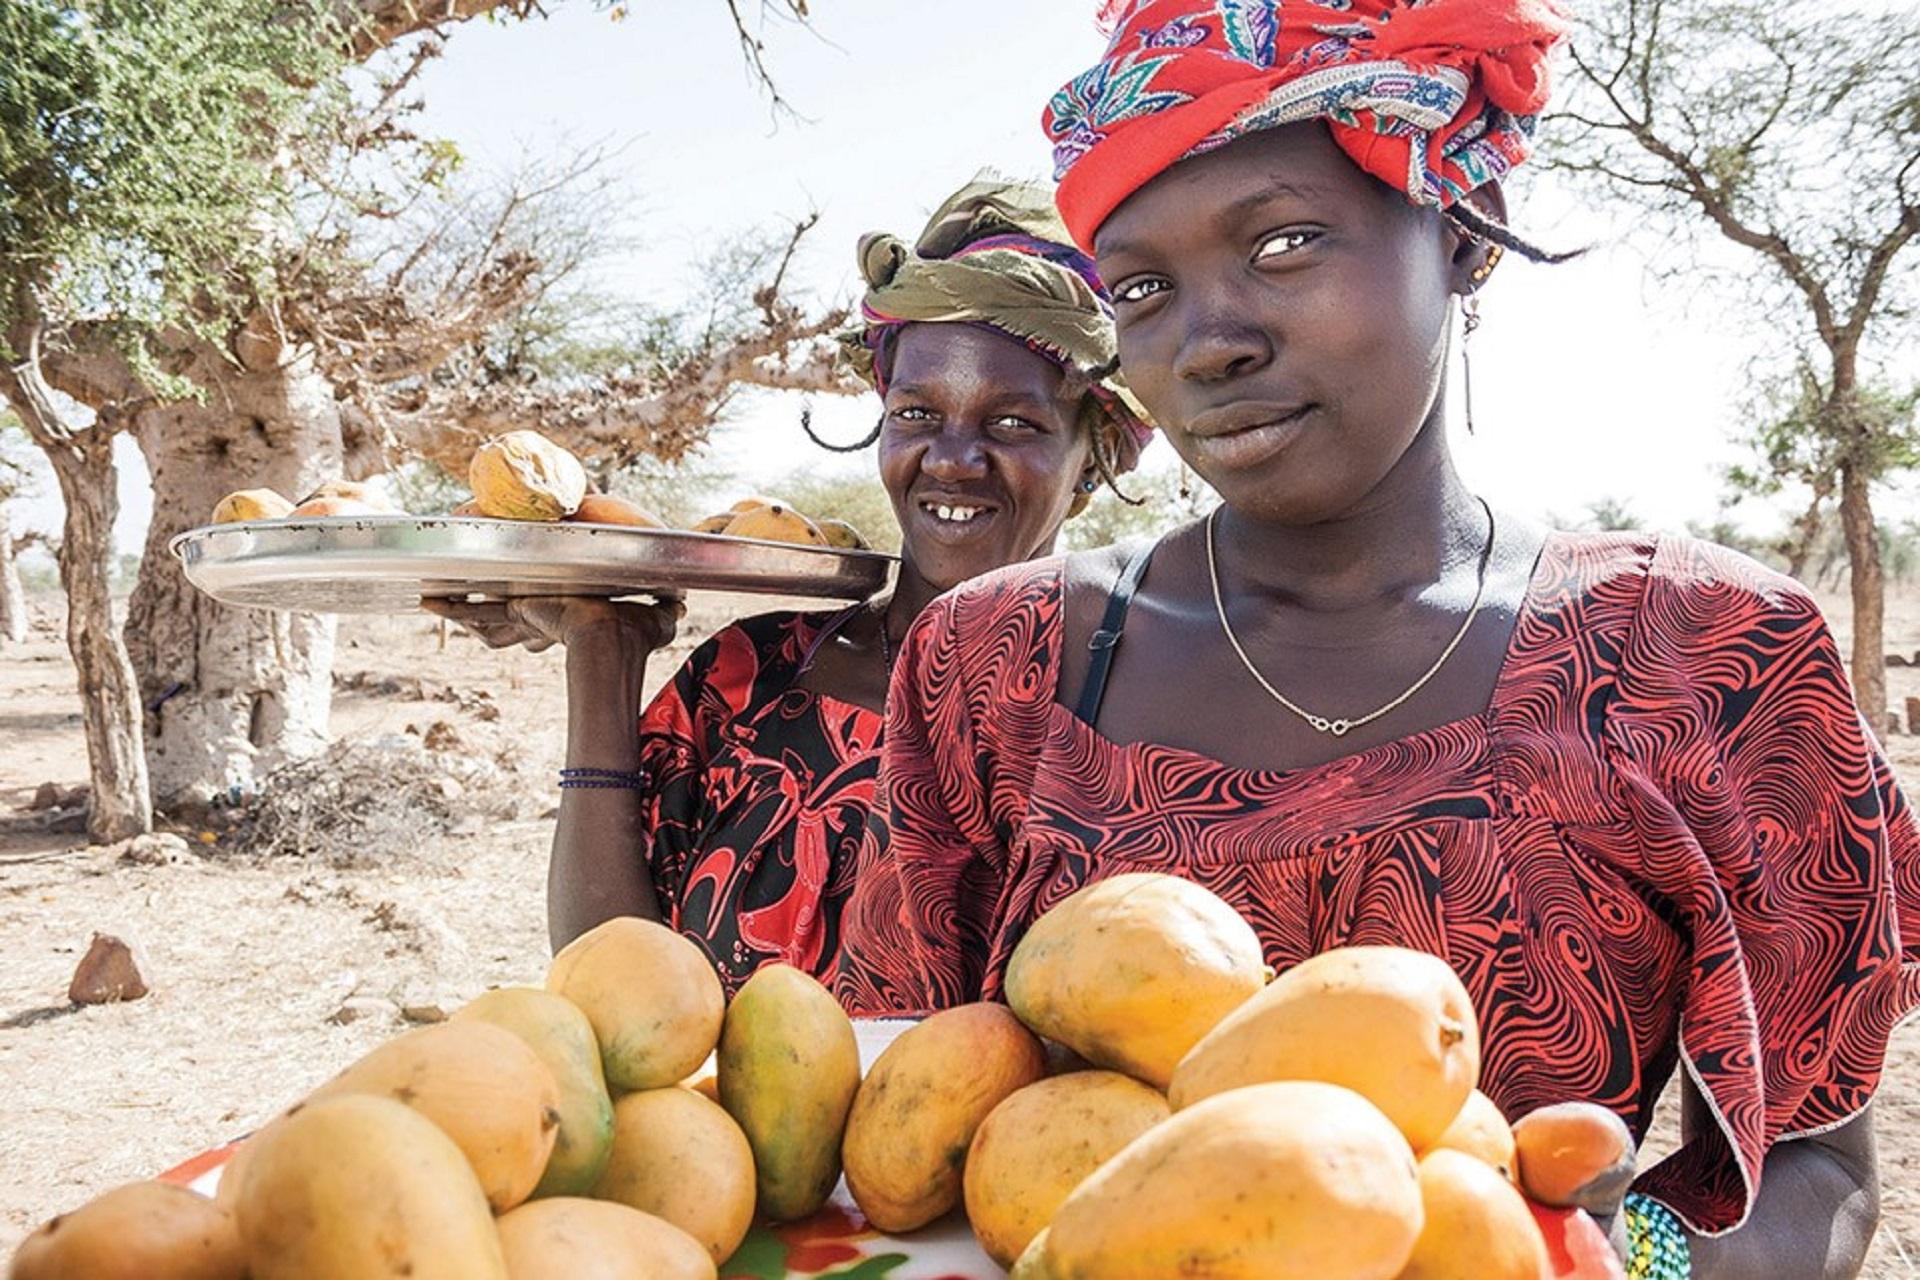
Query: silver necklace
(1339,727)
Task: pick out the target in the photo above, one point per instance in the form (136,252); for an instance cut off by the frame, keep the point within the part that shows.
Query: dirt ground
(268,976)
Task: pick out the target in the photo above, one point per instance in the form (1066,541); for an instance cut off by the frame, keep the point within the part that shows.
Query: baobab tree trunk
(120,805)
(13,598)
(230,694)
(1868,587)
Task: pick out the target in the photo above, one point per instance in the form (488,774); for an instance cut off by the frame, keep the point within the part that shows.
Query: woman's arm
(1818,1205)
(597,870)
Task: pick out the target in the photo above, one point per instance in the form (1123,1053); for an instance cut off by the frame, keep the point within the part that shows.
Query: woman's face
(980,450)
(1283,315)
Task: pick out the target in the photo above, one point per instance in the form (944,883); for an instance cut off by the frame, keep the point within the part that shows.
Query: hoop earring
(1469,323)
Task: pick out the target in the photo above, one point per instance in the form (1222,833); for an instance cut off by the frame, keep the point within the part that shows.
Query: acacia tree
(182,250)
(1791,135)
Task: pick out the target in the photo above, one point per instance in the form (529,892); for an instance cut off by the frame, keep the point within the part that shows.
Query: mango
(839,533)
(316,508)
(250,504)
(359,491)
(562,1038)
(1576,1154)
(776,523)
(1481,1131)
(1294,1180)
(142,1231)
(1392,1024)
(1130,972)
(681,1158)
(918,1109)
(788,1068)
(1478,1226)
(653,999)
(603,508)
(1042,1142)
(482,1086)
(522,475)
(572,1239)
(360,1187)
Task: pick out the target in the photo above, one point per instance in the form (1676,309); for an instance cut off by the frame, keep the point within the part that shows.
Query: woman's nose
(957,453)
(1221,342)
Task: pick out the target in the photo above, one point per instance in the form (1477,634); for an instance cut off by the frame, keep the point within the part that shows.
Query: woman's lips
(1233,446)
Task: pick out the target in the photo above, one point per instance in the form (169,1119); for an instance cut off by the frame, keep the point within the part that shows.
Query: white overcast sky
(1590,380)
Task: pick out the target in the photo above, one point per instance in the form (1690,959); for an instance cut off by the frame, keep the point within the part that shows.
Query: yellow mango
(360,1187)
(1394,1025)
(1130,972)
(681,1158)
(358,491)
(776,523)
(251,504)
(562,1038)
(788,1068)
(602,508)
(652,997)
(573,1239)
(1289,1181)
(1478,1226)
(522,475)
(142,1231)
(839,533)
(1481,1131)
(482,1086)
(1042,1142)
(916,1112)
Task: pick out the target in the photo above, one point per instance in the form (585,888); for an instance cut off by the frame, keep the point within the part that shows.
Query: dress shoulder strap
(1112,624)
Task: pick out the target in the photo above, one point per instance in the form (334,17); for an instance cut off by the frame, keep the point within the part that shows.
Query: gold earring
(1480,273)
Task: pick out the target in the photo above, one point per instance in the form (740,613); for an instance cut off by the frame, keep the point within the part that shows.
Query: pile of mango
(522,475)
(1150,1103)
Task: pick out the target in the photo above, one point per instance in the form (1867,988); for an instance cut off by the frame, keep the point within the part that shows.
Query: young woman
(733,806)
(1618,781)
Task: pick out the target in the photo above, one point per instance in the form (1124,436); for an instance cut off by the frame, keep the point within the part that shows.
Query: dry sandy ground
(251,963)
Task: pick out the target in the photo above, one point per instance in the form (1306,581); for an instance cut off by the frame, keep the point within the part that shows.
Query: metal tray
(388,564)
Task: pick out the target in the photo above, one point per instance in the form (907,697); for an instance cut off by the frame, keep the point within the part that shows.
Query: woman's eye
(1284,242)
(1140,289)
(911,413)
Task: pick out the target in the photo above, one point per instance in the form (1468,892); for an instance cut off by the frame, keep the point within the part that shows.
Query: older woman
(732,807)
(1618,781)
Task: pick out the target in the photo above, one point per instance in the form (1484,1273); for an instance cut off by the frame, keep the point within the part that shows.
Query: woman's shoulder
(1025,596)
(1674,579)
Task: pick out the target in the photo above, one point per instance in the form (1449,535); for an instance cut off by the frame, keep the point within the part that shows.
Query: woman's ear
(1473,258)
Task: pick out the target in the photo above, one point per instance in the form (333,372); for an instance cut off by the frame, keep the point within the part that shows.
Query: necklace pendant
(1338,728)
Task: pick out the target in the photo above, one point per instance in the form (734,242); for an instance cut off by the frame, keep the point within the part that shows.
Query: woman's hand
(540,622)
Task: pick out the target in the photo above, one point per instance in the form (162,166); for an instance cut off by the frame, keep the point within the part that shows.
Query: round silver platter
(388,564)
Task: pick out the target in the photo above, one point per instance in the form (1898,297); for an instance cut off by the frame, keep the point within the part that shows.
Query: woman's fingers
(540,622)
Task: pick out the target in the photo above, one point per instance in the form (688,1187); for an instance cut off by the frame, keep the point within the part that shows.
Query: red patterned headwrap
(1433,98)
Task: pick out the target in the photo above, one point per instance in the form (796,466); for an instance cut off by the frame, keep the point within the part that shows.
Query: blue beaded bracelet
(622,779)
(1656,1243)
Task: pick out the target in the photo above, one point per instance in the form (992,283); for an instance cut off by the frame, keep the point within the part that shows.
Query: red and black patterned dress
(758,797)
(1668,837)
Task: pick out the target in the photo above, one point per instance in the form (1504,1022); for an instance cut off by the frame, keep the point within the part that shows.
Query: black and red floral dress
(758,797)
